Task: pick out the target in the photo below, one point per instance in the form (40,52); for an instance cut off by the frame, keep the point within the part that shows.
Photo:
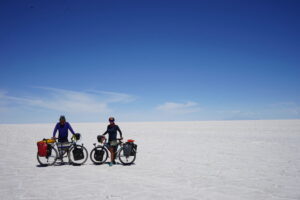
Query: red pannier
(42,148)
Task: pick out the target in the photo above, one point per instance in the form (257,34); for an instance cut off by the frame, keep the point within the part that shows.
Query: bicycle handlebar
(118,139)
(56,138)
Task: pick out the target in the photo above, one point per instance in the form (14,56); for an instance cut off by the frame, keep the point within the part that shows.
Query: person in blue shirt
(112,130)
(62,127)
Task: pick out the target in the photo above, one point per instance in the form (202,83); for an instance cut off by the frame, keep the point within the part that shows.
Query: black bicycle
(126,152)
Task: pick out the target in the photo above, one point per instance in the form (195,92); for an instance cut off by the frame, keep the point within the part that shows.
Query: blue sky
(149,60)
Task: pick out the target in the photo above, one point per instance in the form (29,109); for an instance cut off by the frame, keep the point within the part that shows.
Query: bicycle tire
(121,157)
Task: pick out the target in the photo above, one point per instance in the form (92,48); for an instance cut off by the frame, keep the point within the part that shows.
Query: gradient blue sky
(149,60)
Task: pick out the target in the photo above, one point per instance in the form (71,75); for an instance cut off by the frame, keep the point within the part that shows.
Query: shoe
(113,162)
(110,164)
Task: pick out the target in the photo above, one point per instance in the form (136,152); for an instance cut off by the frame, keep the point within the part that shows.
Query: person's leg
(112,153)
(115,148)
(62,150)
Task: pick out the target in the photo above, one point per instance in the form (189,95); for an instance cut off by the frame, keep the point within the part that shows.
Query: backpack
(78,153)
(42,148)
(99,155)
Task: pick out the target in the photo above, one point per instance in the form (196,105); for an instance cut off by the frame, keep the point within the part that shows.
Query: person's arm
(55,130)
(105,131)
(70,128)
(118,129)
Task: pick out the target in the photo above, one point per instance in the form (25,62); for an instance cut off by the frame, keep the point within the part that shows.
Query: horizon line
(225,120)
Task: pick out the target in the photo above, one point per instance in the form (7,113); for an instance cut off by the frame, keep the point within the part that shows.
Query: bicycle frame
(63,150)
(105,145)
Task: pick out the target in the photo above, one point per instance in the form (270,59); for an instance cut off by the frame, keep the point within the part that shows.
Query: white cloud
(286,108)
(281,110)
(2,101)
(238,114)
(179,108)
(114,96)
(68,100)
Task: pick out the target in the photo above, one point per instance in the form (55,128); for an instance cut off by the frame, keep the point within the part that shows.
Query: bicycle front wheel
(99,155)
(126,160)
(48,160)
(78,155)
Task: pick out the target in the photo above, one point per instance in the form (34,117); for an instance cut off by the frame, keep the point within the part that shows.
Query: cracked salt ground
(175,160)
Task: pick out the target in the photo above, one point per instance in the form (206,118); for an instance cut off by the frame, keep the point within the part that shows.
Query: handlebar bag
(100,138)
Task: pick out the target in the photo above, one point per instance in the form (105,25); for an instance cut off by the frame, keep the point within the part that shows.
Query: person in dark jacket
(62,127)
(112,130)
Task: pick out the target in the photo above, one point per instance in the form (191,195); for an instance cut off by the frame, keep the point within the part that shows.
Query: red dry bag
(42,148)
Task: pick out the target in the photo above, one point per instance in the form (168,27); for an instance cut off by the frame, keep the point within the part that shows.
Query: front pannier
(78,153)
(99,155)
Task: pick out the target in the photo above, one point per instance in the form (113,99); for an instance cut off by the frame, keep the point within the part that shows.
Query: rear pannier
(129,148)
(42,148)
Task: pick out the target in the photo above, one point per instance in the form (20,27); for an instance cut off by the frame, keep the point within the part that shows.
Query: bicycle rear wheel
(99,159)
(126,160)
(78,160)
(48,160)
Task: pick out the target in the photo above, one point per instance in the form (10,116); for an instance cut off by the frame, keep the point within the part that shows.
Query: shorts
(113,144)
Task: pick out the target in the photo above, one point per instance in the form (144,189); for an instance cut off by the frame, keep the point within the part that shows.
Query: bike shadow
(107,163)
(41,165)
(59,164)
(120,164)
